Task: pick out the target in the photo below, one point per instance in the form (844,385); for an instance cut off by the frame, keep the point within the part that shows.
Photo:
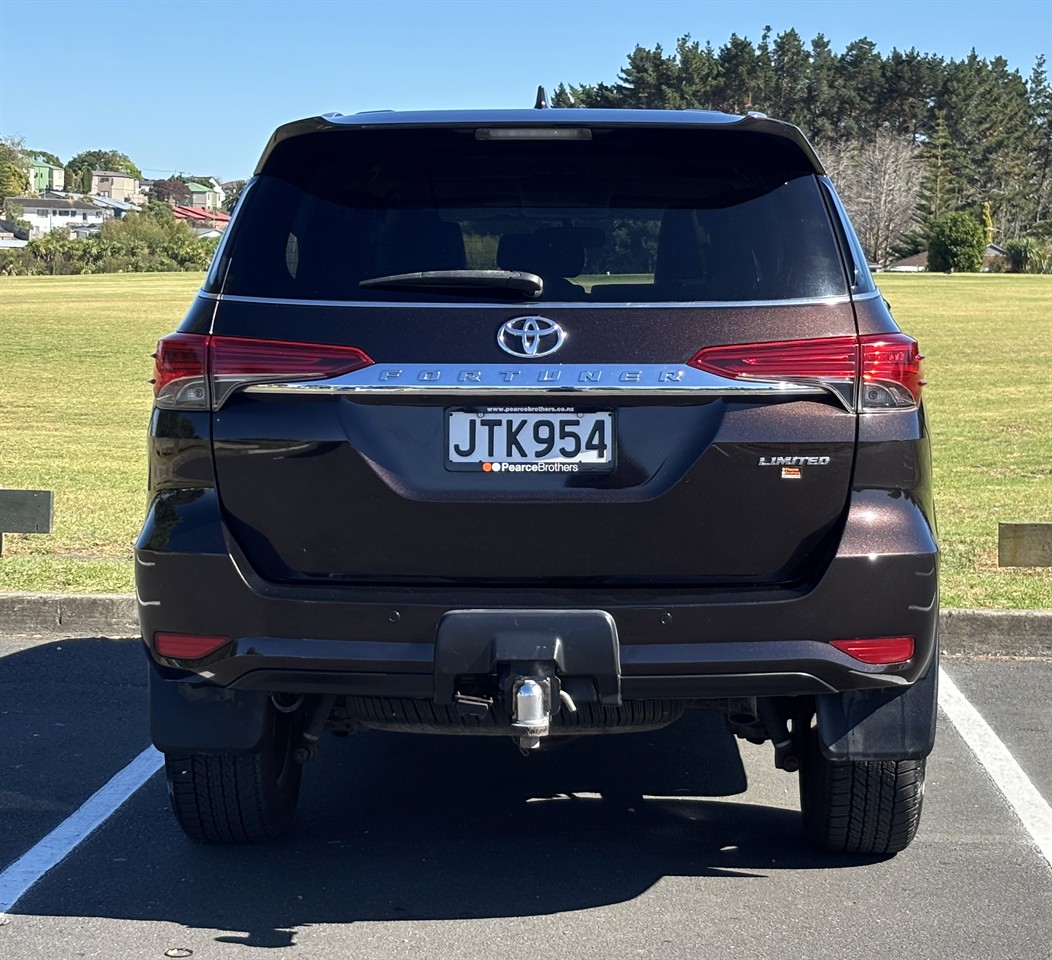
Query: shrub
(1028,255)
(956,244)
(153,241)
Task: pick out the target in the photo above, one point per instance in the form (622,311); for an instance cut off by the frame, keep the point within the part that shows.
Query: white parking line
(76,828)
(1031,808)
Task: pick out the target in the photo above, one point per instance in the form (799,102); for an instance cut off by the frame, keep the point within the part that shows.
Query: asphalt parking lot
(675,844)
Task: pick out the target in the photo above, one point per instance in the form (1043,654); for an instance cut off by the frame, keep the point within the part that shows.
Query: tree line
(152,240)
(908,137)
(147,242)
(15,157)
(14,167)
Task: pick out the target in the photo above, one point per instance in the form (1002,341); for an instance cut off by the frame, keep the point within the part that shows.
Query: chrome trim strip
(494,379)
(519,306)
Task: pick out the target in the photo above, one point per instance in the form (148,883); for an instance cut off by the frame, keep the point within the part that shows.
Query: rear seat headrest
(548,252)
(417,240)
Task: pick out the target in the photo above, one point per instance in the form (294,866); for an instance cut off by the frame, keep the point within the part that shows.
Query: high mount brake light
(883,371)
(533,133)
(198,372)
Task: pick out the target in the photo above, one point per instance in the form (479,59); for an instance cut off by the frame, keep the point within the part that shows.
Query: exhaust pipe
(307,749)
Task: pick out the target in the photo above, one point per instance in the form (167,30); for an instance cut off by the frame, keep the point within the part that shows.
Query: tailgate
(360,479)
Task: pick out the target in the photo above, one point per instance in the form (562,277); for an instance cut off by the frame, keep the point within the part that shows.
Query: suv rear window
(629,215)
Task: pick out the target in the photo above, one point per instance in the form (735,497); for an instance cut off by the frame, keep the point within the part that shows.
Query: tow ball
(535,700)
(532,715)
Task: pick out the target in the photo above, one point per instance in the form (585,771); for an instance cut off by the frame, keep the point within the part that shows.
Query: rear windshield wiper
(462,281)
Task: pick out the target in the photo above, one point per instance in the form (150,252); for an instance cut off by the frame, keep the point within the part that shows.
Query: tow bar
(531,656)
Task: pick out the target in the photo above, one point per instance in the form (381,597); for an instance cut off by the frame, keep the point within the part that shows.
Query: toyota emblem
(530,337)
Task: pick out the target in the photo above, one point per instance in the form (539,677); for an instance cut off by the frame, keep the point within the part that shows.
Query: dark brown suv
(535,423)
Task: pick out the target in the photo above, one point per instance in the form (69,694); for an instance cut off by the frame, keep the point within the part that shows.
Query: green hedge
(151,242)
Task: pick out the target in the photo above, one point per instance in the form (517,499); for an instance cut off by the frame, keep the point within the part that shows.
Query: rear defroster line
(75,829)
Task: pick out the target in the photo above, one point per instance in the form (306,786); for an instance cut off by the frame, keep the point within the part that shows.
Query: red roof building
(199,217)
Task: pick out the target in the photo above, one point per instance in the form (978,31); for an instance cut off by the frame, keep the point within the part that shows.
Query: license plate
(530,441)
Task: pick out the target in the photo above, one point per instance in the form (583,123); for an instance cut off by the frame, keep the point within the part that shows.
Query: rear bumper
(673,643)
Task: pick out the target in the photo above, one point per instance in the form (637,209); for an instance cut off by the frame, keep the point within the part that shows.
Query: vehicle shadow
(72,713)
(403,827)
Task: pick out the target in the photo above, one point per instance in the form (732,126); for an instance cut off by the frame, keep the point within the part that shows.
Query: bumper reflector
(878,649)
(187,646)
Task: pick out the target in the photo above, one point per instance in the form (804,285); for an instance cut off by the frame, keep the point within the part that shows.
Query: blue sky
(197,87)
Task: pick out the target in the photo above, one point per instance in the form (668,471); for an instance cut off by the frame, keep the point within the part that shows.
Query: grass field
(74,403)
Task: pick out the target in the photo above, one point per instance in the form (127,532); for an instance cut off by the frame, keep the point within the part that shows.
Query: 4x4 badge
(530,337)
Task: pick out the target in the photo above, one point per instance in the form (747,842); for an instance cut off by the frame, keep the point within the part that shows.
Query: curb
(997,633)
(68,615)
(970,633)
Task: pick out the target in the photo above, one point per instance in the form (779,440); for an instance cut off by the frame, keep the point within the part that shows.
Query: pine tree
(1005,167)
(857,85)
(1040,94)
(819,101)
(739,76)
(791,65)
(907,86)
(764,71)
(939,189)
(650,80)
(699,72)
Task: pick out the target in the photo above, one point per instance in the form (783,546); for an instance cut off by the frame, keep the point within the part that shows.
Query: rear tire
(859,806)
(238,797)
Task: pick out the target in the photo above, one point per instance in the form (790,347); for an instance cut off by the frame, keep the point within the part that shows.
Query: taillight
(193,371)
(187,646)
(240,361)
(832,358)
(877,649)
(871,373)
(892,375)
(180,372)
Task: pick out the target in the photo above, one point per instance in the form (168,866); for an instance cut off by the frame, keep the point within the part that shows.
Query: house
(44,177)
(206,195)
(114,184)
(914,264)
(118,207)
(44,214)
(198,217)
(919,261)
(992,253)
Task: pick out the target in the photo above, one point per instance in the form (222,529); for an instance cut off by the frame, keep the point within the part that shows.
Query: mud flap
(191,718)
(896,724)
